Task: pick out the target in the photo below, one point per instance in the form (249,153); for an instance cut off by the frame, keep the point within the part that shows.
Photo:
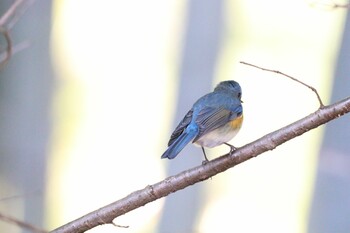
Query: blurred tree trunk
(199,57)
(25,93)
(330,209)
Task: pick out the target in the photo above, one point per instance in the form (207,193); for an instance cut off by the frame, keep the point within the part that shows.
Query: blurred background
(87,109)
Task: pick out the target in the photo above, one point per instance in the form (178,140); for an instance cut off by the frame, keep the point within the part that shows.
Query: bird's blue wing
(180,128)
(212,118)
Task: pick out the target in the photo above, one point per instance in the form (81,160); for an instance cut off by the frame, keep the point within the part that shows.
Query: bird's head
(231,86)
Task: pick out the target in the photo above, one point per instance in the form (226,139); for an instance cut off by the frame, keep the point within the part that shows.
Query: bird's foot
(205,157)
(204,162)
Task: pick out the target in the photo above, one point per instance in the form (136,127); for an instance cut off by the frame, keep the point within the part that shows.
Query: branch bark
(189,177)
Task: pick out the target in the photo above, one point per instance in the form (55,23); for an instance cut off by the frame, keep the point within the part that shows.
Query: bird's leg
(232,148)
(205,156)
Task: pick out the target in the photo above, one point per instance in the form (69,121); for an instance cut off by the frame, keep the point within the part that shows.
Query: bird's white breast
(219,135)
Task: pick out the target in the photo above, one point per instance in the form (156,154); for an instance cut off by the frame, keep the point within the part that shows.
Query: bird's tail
(175,148)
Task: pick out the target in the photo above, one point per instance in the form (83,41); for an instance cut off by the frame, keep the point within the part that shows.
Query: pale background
(88,109)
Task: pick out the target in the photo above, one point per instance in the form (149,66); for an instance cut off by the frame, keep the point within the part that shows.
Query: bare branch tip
(120,226)
(288,76)
(328,5)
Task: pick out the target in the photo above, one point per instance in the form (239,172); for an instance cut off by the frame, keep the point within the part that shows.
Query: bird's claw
(232,148)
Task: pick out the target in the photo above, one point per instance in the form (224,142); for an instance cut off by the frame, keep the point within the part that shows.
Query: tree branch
(21,224)
(189,177)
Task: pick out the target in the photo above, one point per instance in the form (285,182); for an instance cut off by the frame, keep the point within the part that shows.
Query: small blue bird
(213,120)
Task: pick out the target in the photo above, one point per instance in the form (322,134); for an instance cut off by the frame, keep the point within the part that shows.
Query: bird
(213,120)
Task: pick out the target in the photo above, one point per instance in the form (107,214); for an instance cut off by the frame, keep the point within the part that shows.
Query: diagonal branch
(21,224)
(12,15)
(189,177)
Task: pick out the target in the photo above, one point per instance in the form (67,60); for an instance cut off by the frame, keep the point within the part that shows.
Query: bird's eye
(239,95)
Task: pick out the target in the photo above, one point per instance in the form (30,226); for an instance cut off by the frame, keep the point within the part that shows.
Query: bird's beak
(242,101)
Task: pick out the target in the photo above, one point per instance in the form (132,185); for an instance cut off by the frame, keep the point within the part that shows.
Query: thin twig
(7,21)
(16,10)
(8,51)
(20,196)
(335,5)
(120,226)
(19,12)
(10,12)
(288,76)
(194,175)
(21,224)
(16,49)
(328,5)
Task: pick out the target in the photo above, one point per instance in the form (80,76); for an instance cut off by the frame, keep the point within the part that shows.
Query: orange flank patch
(237,123)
